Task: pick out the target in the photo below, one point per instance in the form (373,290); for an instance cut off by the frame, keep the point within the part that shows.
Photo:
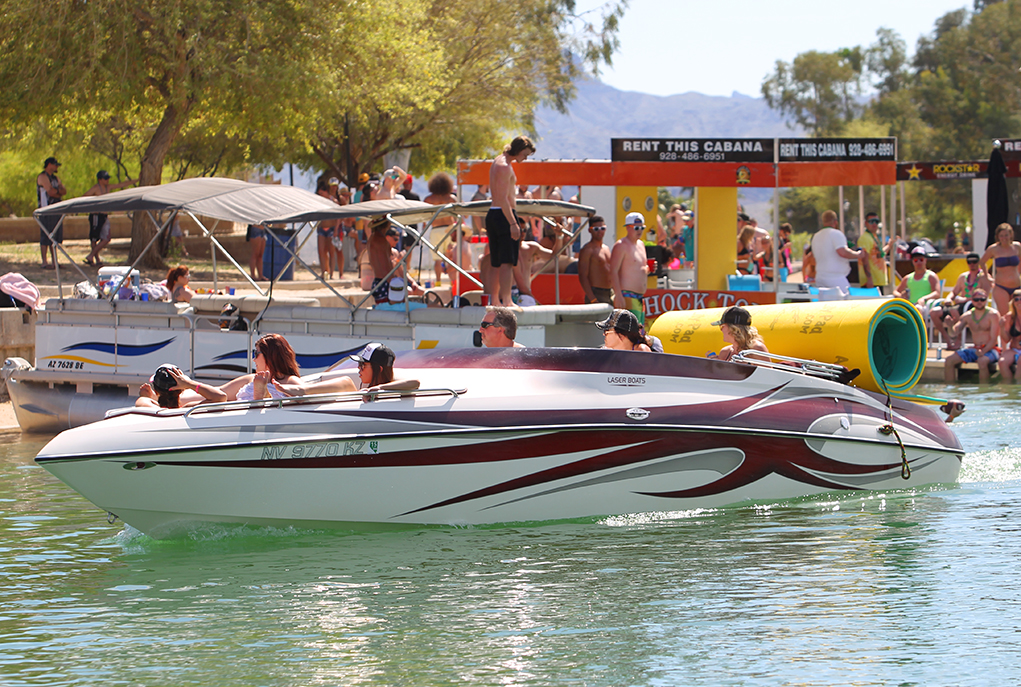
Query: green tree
(163,67)
(497,61)
(818,90)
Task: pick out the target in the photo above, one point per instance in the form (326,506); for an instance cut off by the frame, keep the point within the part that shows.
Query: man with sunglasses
(872,261)
(958,301)
(921,286)
(498,329)
(984,325)
(594,264)
(629,268)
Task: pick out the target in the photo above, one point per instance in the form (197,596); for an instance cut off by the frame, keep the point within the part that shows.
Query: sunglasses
(487,325)
(598,228)
(973,262)
(872,221)
(978,300)
(256,353)
(1017,298)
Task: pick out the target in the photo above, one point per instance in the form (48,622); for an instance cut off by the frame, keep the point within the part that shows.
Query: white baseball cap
(634,218)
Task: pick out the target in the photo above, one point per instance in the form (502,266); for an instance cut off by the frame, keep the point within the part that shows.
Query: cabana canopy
(230,200)
(414,211)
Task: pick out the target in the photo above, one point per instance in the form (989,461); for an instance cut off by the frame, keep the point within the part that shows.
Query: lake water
(900,588)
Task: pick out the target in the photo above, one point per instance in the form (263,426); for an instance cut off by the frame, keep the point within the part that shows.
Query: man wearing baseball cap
(99,224)
(49,190)
(629,267)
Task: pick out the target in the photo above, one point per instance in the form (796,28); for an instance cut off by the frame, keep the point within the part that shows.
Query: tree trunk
(151,174)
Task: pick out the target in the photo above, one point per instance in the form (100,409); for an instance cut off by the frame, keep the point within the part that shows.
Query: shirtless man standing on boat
(594,264)
(629,268)
(501,222)
(984,324)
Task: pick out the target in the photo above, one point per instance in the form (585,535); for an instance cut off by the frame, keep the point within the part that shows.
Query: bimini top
(230,200)
(415,211)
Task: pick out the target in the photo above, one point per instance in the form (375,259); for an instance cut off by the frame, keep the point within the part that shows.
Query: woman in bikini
(274,362)
(1006,255)
(745,252)
(1010,335)
(375,373)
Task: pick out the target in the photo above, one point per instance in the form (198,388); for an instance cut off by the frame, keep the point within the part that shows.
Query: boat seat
(250,306)
(152,314)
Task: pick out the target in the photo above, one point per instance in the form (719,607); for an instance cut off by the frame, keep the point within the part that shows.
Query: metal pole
(882,224)
(903,214)
(861,210)
(893,233)
(840,204)
(776,236)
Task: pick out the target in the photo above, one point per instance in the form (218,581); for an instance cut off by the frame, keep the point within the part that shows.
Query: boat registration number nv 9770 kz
(323,450)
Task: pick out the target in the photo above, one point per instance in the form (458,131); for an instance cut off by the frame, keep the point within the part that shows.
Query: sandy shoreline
(8,421)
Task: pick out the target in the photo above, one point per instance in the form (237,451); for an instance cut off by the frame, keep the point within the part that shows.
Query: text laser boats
(506,435)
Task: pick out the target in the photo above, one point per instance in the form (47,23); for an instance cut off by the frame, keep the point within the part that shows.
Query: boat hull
(676,442)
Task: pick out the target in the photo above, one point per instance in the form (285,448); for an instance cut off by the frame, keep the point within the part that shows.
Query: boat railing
(313,399)
(812,368)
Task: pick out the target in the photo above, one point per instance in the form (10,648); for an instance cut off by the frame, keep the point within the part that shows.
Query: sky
(718,47)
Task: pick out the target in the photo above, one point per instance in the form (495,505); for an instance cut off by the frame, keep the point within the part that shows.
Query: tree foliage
(195,87)
(496,62)
(961,89)
(818,90)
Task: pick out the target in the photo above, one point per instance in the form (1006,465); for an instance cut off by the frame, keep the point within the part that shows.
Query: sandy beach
(8,421)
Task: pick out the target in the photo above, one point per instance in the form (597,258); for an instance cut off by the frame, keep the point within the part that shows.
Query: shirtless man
(393,181)
(594,264)
(629,268)
(528,251)
(99,224)
(501,222)
(383,255)
(984,324)
(959,300)
(531,256)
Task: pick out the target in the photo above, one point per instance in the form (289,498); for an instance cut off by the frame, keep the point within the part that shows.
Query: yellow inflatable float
(885,339)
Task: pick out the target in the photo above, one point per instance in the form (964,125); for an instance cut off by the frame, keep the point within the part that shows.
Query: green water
(901,588)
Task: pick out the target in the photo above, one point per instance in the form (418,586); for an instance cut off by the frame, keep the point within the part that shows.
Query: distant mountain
(600,112)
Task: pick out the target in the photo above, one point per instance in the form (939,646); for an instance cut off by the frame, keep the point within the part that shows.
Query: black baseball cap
(734,315)
(377,354)
(623,321)
(162,380)
(51,161)
(102,174)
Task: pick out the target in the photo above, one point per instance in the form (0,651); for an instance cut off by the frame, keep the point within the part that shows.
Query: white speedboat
(506,435)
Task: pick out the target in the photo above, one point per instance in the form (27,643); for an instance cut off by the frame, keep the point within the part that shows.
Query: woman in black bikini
(1006,255)
(1010,335)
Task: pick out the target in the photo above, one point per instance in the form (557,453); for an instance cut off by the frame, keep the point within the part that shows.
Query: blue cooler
(275,257)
